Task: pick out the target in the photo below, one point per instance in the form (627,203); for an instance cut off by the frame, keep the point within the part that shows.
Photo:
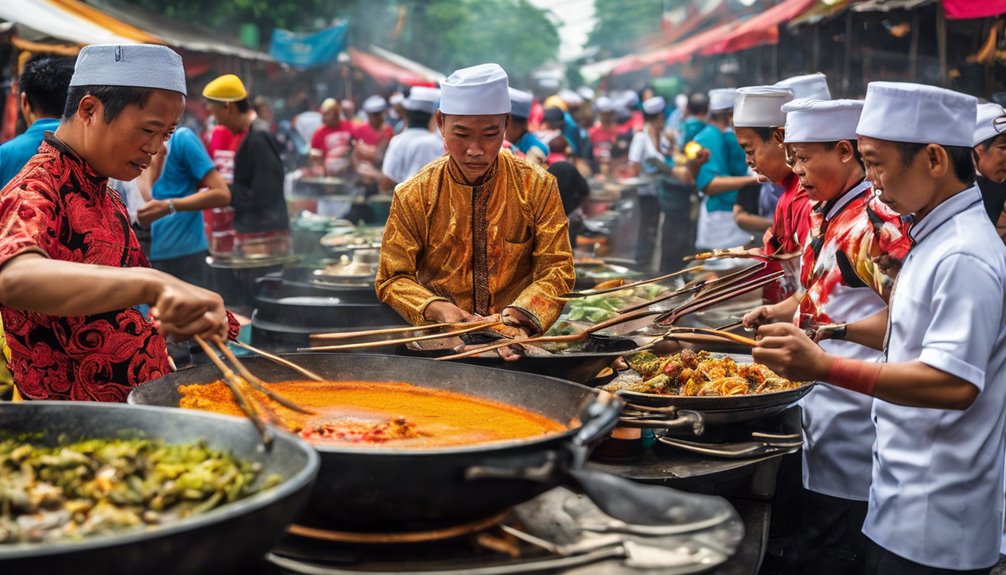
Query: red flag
(963,9)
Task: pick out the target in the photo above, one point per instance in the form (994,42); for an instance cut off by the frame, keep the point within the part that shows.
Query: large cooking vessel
(220,541)
(377,489)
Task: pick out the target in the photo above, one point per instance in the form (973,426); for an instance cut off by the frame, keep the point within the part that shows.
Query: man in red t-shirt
(604,135)
(331,144)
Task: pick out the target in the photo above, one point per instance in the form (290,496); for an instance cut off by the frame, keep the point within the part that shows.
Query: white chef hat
(985,128)
(422,99)
(807,86)
(654,105)
(628,99)
(720,99)
(476,91)
(520,103)
(586,92)
(374,105)
(760,107)
(809,120)
(605,104)
(131,65)
(918,114)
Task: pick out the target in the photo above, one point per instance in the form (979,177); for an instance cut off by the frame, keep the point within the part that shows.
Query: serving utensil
(741,252)
(417,329)
(597,291)
(285,362)
(683,333)
(470,327)
(238,384)
(668,318)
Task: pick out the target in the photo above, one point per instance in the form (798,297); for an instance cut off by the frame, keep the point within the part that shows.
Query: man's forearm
(870,331)
(912,383)
(724,184)
(31,282)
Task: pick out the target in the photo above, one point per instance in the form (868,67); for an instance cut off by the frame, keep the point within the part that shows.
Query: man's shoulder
(419,185)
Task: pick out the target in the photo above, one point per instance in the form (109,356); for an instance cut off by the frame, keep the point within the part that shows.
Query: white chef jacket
(837,427)
(409,152)
(937,493)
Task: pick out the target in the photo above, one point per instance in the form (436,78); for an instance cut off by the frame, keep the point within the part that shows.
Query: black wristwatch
(839,331)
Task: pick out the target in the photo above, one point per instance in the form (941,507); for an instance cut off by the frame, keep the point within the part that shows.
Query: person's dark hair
(765,134)
(558,145)
(989,142)
(651,117)
(114,98)
(698,104)
(45,81)
(242,105)
(720,115)
(417,118)
(961,158)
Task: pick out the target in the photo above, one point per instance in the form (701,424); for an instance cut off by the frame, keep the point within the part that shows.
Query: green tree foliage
(621,24)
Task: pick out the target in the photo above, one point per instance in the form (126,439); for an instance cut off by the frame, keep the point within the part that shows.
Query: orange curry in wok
(376,414)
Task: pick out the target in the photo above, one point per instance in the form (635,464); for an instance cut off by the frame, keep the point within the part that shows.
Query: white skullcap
(628,99)
(476,91)
(422,99)
(374,105)
(654,105)
(520,103)
(813,86)
(985,128)
(130,65)
(396,99)
(720,99)
(918,114)
(809,120)
(586,92)
(605,104)
(549,83)
(760,107)
(570,97)
(681,101)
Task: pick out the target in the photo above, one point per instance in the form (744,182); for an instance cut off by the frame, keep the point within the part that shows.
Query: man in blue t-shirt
(43,84)
(186,182)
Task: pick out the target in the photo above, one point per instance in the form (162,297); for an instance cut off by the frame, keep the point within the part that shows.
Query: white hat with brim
(813,86)
(809,120)
(760,107)
(422,99)
(375,105)
(918,114)
(985,128)
(654,105)
(481,90)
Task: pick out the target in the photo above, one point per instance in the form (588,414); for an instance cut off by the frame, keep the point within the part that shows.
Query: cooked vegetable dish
(697,374)
(101,486)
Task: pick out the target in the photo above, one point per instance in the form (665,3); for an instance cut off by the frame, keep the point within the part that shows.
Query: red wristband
(860,376)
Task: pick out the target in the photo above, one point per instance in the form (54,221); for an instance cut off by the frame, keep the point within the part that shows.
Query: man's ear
(90,109)
(440,121)
(779,135)
(937,160)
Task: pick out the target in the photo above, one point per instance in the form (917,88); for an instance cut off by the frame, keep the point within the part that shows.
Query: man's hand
(787,350)
(152,211)
(446,312)
(759,316)
(182,310)
(695,164)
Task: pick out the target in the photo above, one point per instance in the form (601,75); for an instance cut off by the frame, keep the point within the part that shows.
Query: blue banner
(308,50)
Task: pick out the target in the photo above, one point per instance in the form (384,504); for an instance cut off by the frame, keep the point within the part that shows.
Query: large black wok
(220,541)
(367,489)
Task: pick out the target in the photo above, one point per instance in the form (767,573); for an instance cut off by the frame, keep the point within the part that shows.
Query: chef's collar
(944,212)
(838,204)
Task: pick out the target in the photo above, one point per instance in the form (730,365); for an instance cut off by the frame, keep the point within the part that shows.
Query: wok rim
(261,499)
(591,392)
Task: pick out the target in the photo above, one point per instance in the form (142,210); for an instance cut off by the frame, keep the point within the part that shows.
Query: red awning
(673,54)
(383,70)
(760,30)
(963,9)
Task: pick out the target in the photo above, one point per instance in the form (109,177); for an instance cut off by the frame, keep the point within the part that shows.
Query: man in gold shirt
(477,232)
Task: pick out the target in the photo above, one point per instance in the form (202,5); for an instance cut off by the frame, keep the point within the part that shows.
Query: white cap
(985,128)
(570,97)
(396,99)
(918,114)
(628,99)
(586,92)
(374,105)
(720,99)
(476,91)
(760,107)
(654,105)
(809,120)
(681,101)
(422,99)
(809,86)
(605,104)
(130,65)
(520,103)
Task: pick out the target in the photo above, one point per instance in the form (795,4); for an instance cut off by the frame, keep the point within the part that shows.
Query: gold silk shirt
(501,244)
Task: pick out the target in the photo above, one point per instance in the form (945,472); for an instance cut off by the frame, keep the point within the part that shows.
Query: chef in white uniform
(936,502)
(841,284)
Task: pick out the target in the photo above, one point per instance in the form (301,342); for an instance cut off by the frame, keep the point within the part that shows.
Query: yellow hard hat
(226,88)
